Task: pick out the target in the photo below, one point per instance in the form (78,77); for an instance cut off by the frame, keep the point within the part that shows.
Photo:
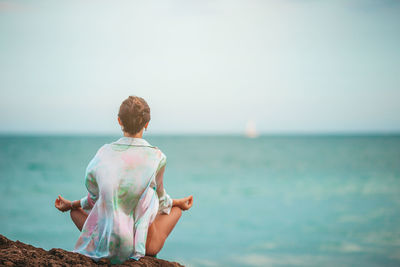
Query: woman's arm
(166,203)
(88,201)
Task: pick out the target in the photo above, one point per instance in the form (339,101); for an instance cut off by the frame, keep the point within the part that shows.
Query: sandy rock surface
(21,254)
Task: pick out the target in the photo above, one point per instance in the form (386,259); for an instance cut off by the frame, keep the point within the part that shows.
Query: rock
(20,254)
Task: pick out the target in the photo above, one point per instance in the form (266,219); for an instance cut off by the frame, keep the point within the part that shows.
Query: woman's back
(122,198)
(125,168)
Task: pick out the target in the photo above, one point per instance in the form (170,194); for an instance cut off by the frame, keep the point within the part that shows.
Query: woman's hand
(62,204)
(185,203)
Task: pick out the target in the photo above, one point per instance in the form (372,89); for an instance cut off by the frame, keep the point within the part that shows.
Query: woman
(127,212)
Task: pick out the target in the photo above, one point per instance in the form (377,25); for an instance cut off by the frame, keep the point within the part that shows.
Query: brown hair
(134,113)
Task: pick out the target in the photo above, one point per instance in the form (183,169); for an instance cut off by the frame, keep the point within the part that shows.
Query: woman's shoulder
(102,149)
(157,150)
(160,153)
(162,157)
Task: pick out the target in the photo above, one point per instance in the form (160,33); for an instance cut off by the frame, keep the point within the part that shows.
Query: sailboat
(251,131)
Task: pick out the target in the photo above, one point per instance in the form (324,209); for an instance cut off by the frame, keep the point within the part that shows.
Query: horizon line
(283,133)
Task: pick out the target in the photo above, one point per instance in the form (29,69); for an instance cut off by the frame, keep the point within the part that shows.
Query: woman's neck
(137,135)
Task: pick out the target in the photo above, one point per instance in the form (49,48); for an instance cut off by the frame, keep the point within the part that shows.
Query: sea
(290,200)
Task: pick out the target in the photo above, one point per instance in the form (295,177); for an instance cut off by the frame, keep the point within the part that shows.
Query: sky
(204,67)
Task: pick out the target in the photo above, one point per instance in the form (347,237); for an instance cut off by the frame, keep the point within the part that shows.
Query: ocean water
(268,201)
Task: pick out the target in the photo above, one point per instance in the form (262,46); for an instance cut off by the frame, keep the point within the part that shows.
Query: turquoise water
(269,201)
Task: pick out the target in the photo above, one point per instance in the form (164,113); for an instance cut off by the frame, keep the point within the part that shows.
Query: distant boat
(251,131)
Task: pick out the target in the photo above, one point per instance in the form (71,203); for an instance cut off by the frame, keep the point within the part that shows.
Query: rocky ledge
(21,254)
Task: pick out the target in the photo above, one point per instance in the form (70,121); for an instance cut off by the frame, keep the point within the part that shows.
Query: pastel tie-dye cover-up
(124,198)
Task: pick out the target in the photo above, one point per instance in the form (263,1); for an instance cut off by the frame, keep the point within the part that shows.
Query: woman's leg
(157,233)
(78,216)
(159,230)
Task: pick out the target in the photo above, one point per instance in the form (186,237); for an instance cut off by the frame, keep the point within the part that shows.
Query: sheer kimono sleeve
(165,201)
(88,201)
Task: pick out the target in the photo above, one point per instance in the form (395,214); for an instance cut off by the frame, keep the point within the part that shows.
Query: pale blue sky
(203,66)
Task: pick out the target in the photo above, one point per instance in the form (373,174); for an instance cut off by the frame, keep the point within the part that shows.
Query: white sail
(251,131)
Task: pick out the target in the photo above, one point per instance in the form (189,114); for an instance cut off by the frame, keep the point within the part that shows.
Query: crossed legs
(157,233)
(159,230)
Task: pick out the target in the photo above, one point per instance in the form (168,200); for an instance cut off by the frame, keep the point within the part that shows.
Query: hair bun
(134,113)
